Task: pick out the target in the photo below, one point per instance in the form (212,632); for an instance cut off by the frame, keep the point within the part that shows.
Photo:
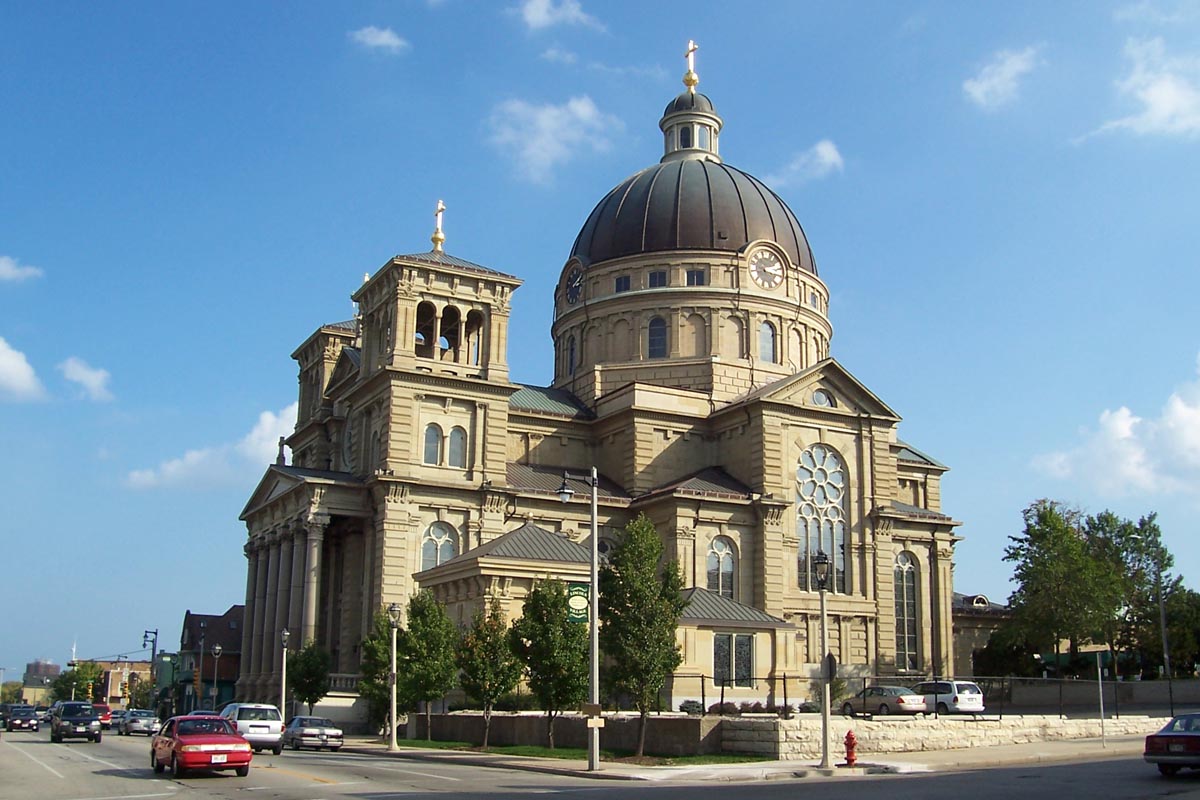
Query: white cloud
(1166,89)
(557,55)
(540,14)
(93,379)
(18,381)
(1155,13)
(997,83)
(543,137)
(221,465)
(10,270)
(816,162)
(1126,453)
(384,39)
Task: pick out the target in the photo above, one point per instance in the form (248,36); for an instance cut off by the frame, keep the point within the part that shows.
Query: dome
(690,101)
(690,204)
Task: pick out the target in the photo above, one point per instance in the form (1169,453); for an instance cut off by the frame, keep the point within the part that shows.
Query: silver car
(138,720)
(316,732)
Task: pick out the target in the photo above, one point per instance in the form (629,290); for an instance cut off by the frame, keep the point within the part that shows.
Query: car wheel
(883,710)
(847,710)
(176,769)
(278,749)
(1168,770)
(943,708)
(296,744)
(334,749)
(99,736)
(243,771)
(54,737)
(158,766)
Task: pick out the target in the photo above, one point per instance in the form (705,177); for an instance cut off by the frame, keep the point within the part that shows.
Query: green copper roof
(548,401)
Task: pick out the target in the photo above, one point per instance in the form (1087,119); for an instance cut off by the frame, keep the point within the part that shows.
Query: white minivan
(951,697)
(258,723)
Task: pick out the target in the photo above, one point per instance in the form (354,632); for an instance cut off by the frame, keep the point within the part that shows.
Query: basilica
(692,372)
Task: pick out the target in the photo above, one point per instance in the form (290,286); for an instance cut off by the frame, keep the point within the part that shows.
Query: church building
(692,370)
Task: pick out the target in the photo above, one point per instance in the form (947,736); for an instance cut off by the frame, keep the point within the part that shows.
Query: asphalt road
(32,768)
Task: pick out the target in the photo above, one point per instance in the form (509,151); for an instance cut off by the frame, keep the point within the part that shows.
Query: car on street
(75,720)
(199,743)
(951,697)
(104,711)
(138,720)
(22,719)
(883,700)
(315,732)
(1175,746)
(261,724)
(117,716)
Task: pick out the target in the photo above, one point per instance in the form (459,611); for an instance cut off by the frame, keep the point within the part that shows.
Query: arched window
(570,355)
(766,342)
(821,491)
(437,545)
(721,567)
(656,341)
(433,444)
(906,612)
(458,447)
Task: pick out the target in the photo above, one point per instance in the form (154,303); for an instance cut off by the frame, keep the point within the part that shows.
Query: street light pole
(216,690)
(199,703)
(565,493)
(393,620)
(152,637)
(821,563)
(284,635)
(1162,621)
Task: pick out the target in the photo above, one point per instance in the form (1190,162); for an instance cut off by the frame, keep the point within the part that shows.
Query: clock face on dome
(766,269)
(574,285)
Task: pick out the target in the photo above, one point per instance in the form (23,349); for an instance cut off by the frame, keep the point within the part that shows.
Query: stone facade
(692,369)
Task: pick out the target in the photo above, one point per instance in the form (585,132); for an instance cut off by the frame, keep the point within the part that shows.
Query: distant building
(35,683)
(202,678)
(975,619)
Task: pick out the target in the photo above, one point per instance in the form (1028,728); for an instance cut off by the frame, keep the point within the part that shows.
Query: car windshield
(968,688)
(317,722)
(258,713)
(193,727)
(77,710)
(141,714)
(23,712)
(1187,723)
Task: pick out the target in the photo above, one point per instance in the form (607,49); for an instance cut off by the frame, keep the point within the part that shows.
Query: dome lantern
(690,124)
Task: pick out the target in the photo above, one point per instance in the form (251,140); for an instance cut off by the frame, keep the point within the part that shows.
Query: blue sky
(1001,198)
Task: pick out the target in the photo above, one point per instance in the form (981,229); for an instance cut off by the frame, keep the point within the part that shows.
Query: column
(315,527)
(266,659)
(260,603)
(296,591)
(367,610)
(283,605)
(248,616)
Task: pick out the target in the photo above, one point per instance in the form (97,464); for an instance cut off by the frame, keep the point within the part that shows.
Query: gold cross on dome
(690,79)
(438,237)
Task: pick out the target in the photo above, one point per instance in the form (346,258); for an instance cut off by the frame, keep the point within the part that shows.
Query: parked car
(44,713)
(117,716)
(6,709)
(192,742)
(1175,746)
(316,732)
(138,720)
(105,713)
(883,700)
(22,719)
(951,697)
(75,720)
(260,723)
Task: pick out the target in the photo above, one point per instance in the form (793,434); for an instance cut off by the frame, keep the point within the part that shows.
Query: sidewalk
(1062,750)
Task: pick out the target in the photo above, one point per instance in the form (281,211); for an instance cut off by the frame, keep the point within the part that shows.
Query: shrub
(691,707)
(517,702)
(751,708)
(727,708)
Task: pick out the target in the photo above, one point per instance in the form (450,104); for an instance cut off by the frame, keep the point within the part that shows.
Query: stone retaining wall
(799,738)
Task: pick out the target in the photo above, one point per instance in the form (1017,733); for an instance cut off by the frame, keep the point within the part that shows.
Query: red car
(195,742)
(1176,746)
(105,713)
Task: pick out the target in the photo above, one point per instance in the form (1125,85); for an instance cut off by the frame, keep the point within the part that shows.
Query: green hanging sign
(578,601)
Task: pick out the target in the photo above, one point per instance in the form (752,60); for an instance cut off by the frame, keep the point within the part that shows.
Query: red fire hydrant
(851,749)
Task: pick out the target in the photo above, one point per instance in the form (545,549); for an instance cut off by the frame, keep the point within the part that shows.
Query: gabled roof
(909,453)
(443,259)
(785,389)
(349,325)
(280,479)
(548,401)
(529,477)
(896,508)
(530,543)
(709,608)
(708,482)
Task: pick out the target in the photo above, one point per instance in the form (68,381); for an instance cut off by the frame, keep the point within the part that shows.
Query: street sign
(590,709)
(578,601)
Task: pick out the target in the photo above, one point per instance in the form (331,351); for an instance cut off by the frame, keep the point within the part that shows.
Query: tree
(81,682)
(308,674)
(375,667)
(490,668)
(1058,592)
(427,648)
(141,694)
(10,691)
(640,606)
(553,649)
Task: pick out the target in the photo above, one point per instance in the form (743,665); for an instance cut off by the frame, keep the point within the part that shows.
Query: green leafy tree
(375,667)
(1108,540)
(10,692)
(426,647)
(84,679)
(308,674)
(553,650)
(1058,580)
(640,606)
(141,694)
(489,667)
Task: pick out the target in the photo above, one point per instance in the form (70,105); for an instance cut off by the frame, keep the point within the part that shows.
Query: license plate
(258,728)
(324,737)
(219,758)
(1175,747)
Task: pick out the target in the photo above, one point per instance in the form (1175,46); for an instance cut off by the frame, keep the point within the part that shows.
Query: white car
(951,697)
(258,723)
(138,720)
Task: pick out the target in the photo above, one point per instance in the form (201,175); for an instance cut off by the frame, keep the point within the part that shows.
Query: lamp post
(152,638)
(284,635)
(821,563)
(393,620)
(565,493)
(1162,621)
(199,702)
(216,690)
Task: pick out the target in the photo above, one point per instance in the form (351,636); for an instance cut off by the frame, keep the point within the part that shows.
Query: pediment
(825,386)
(346,368)
(273,484)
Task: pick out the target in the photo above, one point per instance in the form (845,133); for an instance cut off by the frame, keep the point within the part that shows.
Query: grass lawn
(579,753)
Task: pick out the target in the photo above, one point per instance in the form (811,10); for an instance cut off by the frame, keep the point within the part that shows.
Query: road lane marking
(127,796)
(21,750)
(422,774)
(304,775)
(97,760)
